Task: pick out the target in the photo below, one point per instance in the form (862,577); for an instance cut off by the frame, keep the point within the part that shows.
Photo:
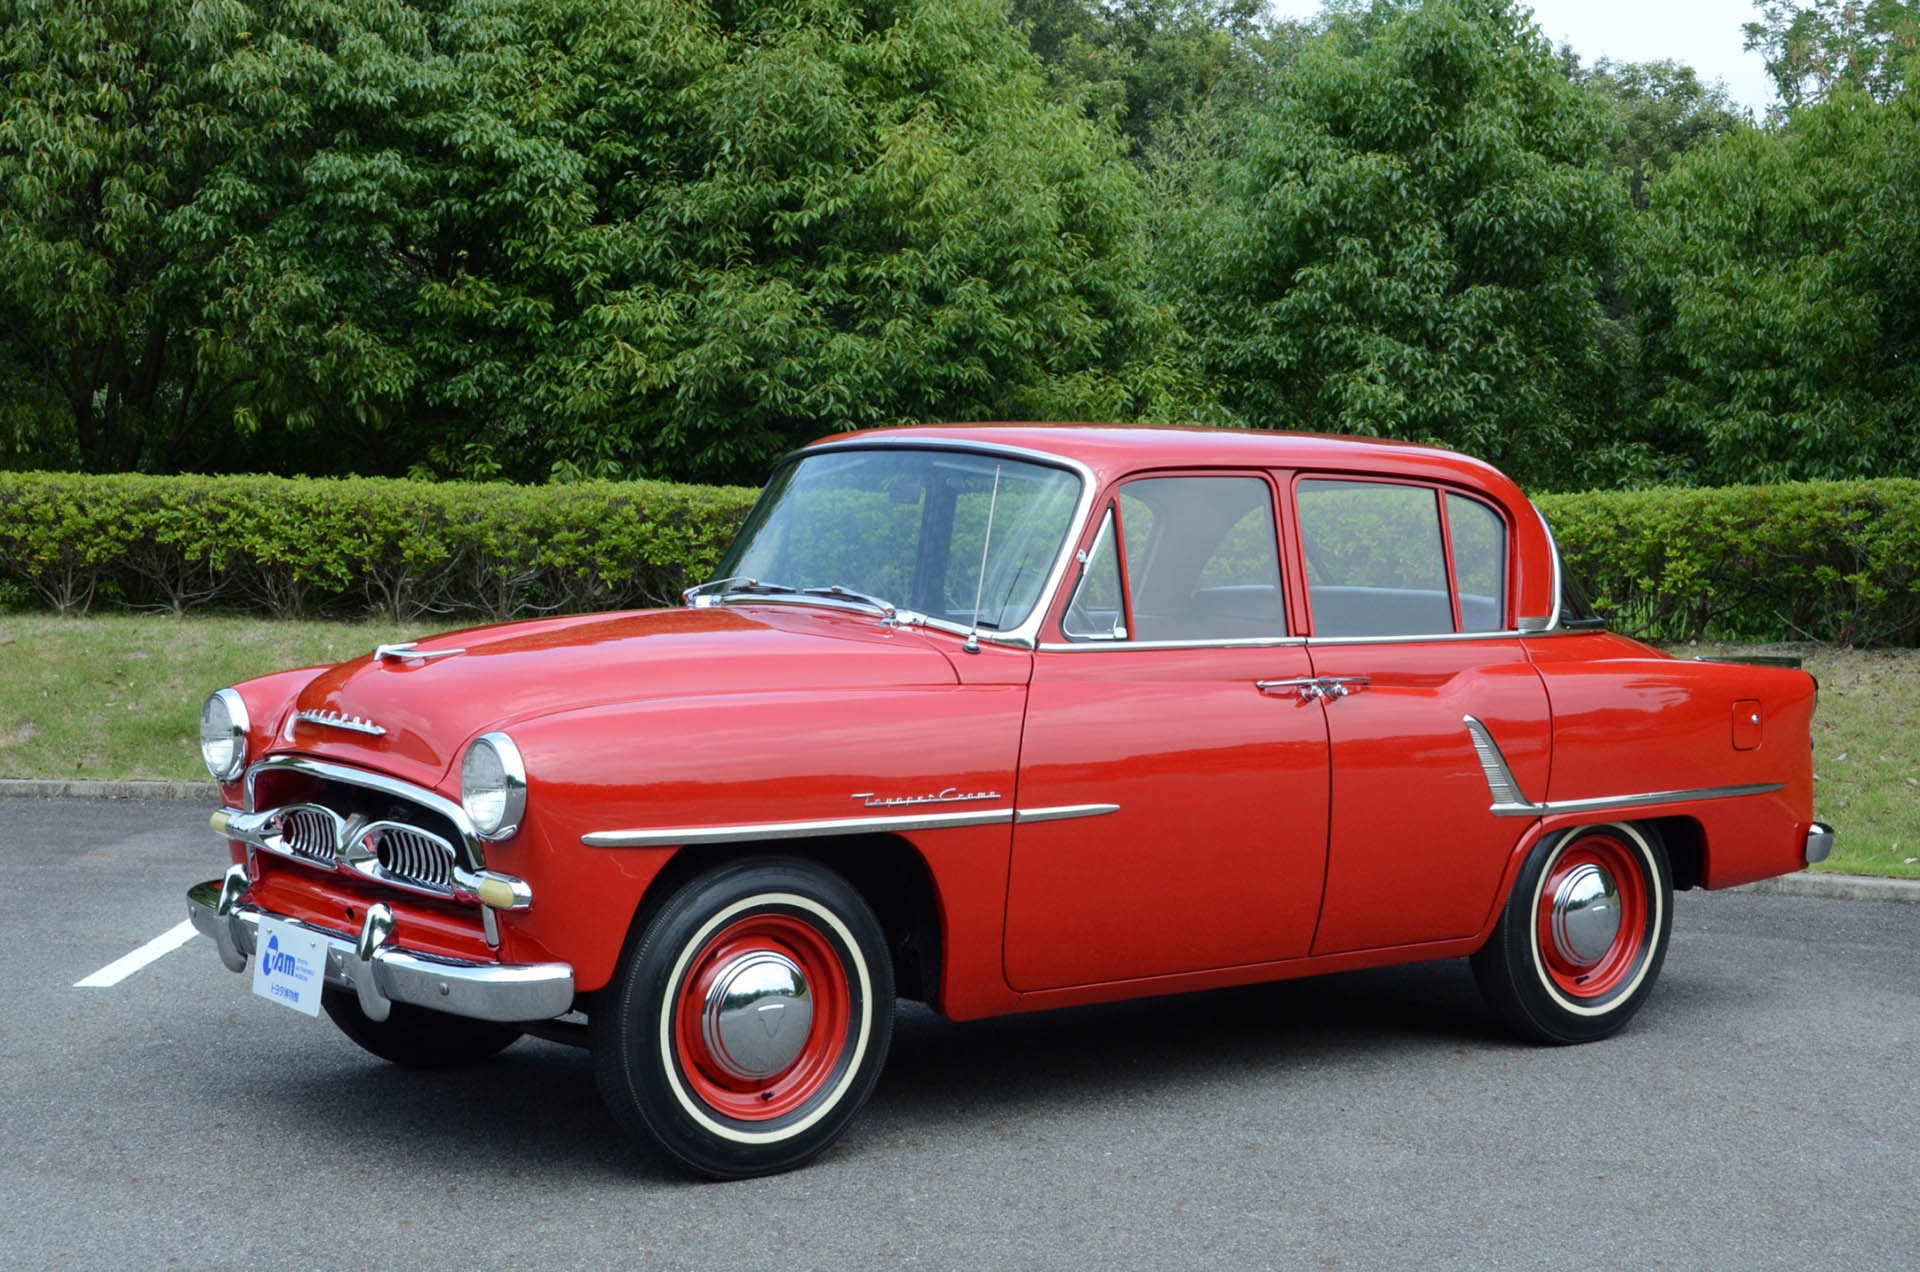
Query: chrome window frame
(1120,631)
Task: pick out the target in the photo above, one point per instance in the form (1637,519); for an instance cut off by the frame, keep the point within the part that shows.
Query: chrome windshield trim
(688,836)
(328,771)
(1510,801)
(1065,812)
(1027,634)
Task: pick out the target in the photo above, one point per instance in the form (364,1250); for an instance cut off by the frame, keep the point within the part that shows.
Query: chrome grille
(311,832)
(407,854)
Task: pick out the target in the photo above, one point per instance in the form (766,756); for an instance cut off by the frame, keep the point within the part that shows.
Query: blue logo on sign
(273,961)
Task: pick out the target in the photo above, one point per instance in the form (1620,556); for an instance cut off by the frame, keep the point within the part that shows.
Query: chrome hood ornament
(407,653)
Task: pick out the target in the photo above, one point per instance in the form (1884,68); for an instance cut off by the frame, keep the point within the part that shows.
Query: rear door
(1173,779)
(1408,588)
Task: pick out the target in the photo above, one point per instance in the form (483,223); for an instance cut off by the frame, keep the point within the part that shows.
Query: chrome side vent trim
(1509,801)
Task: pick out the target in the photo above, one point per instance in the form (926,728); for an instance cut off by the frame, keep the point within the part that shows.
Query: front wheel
(747,1022)
(1583,934)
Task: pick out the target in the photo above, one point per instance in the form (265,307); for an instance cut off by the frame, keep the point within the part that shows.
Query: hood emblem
(407,653)
(951,795)
(338,720)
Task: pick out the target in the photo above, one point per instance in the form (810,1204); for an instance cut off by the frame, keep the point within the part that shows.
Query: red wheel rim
(1598,977)
(813,1069)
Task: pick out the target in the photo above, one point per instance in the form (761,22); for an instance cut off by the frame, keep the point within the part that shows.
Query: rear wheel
(1580,942)
(416,1036)
(748,1021)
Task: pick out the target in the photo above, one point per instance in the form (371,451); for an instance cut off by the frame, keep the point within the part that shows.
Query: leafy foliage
(1833,561)
(1774,278)
(1409,242)
(1661,111)
(1153,65)
(300,547)
(1830,561)
(1814,50)
(544,237)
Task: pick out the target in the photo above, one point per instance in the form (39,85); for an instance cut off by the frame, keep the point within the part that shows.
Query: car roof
(1109,449)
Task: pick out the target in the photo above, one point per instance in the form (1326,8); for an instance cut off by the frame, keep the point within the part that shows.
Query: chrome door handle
(1325,688)
(1307,689)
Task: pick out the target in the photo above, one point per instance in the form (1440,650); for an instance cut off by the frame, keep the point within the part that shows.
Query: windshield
(909,526)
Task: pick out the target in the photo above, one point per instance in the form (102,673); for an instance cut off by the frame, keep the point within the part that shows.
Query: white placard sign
(289,966)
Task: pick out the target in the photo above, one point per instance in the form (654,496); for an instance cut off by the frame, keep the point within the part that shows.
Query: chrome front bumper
(382,974)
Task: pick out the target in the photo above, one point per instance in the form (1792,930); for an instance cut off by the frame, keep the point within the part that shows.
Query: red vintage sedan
(998,718)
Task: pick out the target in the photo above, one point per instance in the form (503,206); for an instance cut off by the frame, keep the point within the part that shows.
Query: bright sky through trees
(1705,34)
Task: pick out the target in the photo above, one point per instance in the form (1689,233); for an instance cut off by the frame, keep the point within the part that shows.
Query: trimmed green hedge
(305,547)
(1837,562)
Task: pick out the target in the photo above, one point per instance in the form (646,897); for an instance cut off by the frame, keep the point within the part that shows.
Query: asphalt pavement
(1763,1111)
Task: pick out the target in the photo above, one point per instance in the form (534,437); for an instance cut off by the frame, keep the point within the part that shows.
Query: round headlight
(493,785)
(223,735)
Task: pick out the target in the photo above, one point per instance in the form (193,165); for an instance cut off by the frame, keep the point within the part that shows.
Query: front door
(1173,778)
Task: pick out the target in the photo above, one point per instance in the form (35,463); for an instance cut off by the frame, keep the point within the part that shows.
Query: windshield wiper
(734,583)
(884,608)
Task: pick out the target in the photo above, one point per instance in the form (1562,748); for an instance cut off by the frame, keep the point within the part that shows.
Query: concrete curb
(34,788)
(1838,887)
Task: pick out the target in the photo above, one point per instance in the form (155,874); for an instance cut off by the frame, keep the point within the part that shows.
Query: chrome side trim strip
(687,836)
(1247,642)
(1510,801)
(1437,638)
(1066,812)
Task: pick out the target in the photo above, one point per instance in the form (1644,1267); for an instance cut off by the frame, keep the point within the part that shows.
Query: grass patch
(118,696)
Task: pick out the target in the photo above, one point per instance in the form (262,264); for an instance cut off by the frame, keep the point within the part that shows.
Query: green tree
(1661,110)
(534,237)
(1150,65)
(1814,49)
(1777,281)
(1409,243)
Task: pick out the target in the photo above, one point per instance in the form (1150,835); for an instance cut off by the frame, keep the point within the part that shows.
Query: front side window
(954,535)
(1202,563)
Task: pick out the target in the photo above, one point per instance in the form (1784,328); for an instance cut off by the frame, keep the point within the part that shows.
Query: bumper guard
(382,974)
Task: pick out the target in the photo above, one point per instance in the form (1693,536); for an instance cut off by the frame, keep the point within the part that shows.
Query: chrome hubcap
(1586,915)
(758,1015)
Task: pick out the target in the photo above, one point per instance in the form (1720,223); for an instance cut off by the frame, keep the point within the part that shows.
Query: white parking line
(121,968)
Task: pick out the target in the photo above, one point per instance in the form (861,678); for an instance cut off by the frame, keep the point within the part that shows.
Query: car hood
(427,708)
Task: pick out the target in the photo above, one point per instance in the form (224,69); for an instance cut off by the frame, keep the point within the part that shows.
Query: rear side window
(1479,539)
(1377,556)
